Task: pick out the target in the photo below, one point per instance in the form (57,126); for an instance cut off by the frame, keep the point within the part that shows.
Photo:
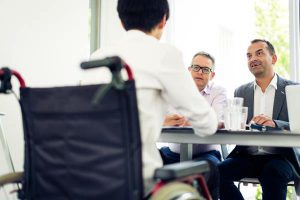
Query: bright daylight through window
(222,28)
(225,31)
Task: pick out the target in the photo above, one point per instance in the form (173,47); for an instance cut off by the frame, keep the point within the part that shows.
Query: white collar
(207,88)
(272,83)
(134,33)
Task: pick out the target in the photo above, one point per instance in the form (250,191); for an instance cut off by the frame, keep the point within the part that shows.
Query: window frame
(294,26)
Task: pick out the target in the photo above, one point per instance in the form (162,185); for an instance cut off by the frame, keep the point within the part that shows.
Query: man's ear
(163,22)
(122,24)
(274,59)
(212,75)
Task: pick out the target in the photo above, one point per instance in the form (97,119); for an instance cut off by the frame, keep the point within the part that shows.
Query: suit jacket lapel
(249,101)
(279,97)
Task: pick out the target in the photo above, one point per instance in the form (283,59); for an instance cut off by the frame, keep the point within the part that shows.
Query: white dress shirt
(263,104)
(161,80)
(264,101)
(216,96)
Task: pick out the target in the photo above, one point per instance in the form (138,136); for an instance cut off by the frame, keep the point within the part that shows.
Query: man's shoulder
(217,88)
(106,51)
(285,82)
(243,89)
(168,48)
(246,86)
(217,92)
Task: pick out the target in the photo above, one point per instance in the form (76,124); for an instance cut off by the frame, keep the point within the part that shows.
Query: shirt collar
(134,33)
(272,83)
(207,89)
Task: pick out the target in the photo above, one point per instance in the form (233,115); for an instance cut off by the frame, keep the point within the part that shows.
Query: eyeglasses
(204,70)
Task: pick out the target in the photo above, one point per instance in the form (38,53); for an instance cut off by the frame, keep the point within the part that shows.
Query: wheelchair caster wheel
(177,191)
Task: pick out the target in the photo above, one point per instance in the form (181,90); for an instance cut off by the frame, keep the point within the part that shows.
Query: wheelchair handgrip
(115,64)
(5,76)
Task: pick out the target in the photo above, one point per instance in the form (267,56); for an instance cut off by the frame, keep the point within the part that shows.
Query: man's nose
(254,57)
(200,71)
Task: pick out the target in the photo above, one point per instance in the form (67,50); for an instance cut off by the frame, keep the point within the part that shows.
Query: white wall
(45,41)
(111,29)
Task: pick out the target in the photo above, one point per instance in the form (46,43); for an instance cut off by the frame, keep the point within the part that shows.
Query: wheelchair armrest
(10,178)
(179,170)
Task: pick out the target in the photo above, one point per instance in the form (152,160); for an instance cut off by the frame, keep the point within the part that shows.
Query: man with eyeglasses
(202,71)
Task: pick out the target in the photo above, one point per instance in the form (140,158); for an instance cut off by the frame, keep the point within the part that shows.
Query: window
(225,31)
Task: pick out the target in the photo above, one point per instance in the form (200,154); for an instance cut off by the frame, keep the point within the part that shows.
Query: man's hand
(175,120)
(221,125)
(263,120)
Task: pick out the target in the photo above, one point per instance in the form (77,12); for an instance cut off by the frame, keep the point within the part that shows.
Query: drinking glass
(232,113)
(244,116)
(237,101)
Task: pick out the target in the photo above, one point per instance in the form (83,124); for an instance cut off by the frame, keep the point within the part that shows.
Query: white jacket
(161,80)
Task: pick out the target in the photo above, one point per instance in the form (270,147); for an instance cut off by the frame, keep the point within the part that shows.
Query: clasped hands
(263,120)
(181,121)
(176,120)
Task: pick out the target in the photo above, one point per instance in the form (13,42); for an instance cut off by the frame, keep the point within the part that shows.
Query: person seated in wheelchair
(161,78)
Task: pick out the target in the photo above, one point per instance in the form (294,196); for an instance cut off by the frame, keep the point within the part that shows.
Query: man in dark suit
(266,102)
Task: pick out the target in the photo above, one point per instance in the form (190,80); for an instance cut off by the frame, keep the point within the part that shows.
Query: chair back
(78,149)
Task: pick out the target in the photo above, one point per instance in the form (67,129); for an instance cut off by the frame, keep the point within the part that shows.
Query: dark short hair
(207,55)
(143,15)
(270,47)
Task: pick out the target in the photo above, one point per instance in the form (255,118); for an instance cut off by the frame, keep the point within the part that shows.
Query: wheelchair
(83,142)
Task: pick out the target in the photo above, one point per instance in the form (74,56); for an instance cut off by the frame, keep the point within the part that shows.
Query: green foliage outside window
(272,24)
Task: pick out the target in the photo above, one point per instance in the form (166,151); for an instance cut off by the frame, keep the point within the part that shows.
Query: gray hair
(207,55)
